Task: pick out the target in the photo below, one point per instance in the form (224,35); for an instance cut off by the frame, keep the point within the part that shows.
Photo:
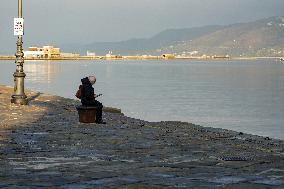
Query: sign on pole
(18,26)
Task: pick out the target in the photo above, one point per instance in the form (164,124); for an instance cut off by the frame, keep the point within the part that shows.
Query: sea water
(246,96)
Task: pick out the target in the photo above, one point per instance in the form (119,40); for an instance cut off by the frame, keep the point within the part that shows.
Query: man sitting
(88,97)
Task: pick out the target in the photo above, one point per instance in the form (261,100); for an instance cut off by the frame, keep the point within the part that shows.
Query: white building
(91,53)
(33,54)
(42,52)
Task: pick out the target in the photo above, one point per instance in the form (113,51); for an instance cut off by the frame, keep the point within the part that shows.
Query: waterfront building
(69,55)
(51,52)
(109,55)
(91,53)
(34,52)
(47,52)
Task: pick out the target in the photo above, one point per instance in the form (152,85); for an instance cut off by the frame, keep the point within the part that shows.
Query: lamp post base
(19,96)
(21,100)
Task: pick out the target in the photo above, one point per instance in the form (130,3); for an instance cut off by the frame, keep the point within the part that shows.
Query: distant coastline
(3,57)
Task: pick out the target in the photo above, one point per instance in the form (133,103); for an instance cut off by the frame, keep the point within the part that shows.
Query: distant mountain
(140,46)
(260,38)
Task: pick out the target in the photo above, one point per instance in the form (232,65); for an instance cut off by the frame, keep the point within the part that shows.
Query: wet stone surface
(43,146)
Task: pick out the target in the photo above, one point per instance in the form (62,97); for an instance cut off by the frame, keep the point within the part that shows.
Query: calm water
(245,96)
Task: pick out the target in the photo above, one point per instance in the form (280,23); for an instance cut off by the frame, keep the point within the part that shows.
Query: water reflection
(42,71)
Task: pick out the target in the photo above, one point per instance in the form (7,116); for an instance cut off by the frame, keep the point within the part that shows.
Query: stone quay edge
(43,145)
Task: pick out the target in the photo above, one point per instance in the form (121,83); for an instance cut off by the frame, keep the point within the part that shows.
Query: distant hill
(260,38)
(141,46)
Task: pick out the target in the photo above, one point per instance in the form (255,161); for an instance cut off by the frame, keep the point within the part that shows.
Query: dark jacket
(87,92)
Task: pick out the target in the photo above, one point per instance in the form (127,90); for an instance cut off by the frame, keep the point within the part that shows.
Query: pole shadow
(34,96)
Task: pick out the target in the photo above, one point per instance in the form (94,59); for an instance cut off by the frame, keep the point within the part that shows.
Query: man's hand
(98,95)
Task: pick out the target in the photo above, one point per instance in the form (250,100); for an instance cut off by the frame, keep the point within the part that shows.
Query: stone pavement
(43,146)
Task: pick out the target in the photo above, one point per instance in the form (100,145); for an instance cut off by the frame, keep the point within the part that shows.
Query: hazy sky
(83,21)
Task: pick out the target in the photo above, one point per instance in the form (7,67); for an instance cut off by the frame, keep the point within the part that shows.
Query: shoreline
(138,58)
(45,141)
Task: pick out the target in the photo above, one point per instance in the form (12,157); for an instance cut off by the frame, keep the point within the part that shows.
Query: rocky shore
(43,145)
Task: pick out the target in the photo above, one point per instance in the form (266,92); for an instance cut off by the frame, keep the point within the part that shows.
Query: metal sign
(18,26)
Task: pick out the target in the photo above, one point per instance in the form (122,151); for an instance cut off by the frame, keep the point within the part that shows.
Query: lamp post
(19,96)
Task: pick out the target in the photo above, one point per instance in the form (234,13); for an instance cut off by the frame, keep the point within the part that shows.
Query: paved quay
(43,145)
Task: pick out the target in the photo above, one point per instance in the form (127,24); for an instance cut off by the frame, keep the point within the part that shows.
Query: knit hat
(92,79)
